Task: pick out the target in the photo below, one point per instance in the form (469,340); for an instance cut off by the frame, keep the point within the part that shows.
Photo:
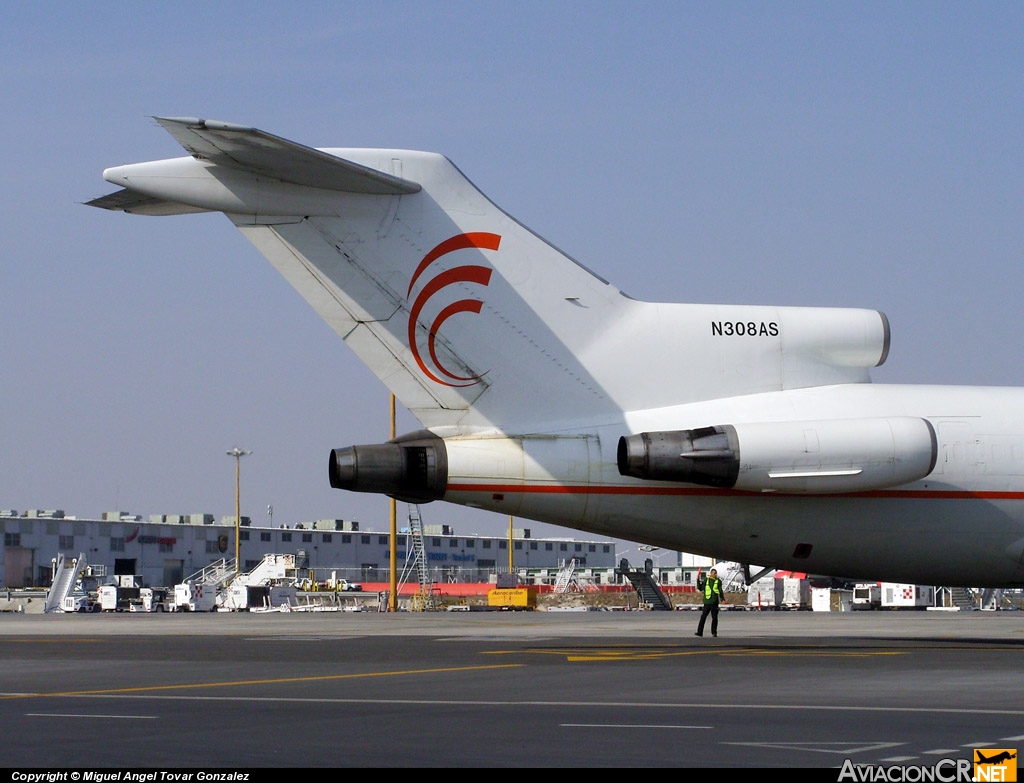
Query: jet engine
(813,457)
(412,468)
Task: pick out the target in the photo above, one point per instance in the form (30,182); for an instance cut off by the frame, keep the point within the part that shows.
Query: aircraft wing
(255,151)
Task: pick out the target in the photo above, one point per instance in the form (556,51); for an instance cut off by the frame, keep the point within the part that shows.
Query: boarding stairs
(217,574)
(646,586)
(566,582)
(65,576)
(270,570)
(251,591)
(206,588)
(991,599)
(425,599)
(734,579)
(964,599)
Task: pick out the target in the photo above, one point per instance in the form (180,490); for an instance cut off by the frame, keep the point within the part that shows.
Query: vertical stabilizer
(471,319)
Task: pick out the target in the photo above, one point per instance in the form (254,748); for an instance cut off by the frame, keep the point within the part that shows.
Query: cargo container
(902,596)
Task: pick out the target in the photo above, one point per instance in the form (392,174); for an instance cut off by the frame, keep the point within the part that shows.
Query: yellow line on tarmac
(275,681)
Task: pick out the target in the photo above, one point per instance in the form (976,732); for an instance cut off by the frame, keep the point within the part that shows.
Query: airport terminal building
(165,549)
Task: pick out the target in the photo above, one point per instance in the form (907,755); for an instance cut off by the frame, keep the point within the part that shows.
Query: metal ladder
(566,579)
(965,599)
(416,560)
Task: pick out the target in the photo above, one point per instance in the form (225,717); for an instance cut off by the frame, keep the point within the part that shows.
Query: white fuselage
(966,516)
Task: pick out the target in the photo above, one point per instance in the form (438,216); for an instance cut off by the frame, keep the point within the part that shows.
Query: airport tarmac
(533,689)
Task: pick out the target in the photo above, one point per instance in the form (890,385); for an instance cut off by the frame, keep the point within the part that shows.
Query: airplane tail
(465,315)
(471,319)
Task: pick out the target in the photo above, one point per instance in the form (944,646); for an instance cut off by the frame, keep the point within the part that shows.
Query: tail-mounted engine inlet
(412,468)
(708,456)
(813,457)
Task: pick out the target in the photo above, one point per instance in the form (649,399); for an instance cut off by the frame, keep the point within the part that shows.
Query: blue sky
(865,155)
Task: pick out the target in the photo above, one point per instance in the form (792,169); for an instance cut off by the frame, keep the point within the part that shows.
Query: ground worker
(710,587)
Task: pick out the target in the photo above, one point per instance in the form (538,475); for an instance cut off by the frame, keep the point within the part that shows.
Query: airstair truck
(74,585)
(270,585)
(203,590)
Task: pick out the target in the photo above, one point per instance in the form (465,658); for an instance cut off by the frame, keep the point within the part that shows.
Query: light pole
(511,540)
(238,453)
(393,555)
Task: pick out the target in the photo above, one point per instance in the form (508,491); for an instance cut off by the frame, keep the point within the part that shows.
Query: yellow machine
(513,598)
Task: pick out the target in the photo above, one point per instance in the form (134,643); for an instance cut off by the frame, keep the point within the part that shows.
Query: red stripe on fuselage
(582,489)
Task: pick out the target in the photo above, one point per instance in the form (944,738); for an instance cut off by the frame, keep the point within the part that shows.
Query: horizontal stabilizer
(138,204)
(248,149)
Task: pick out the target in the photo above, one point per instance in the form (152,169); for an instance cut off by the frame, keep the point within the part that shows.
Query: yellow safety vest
(709,588)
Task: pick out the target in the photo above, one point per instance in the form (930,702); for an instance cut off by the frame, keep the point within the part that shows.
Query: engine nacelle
(813,457)
(708,456)
(412,468)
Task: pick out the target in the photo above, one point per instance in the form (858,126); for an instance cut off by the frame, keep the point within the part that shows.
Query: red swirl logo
(460,275)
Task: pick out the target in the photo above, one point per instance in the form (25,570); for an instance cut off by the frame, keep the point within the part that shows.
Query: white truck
(81,603)
(242,597)
(118,597)
(195,597)
(866,595)
(125,595)
(151,599)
